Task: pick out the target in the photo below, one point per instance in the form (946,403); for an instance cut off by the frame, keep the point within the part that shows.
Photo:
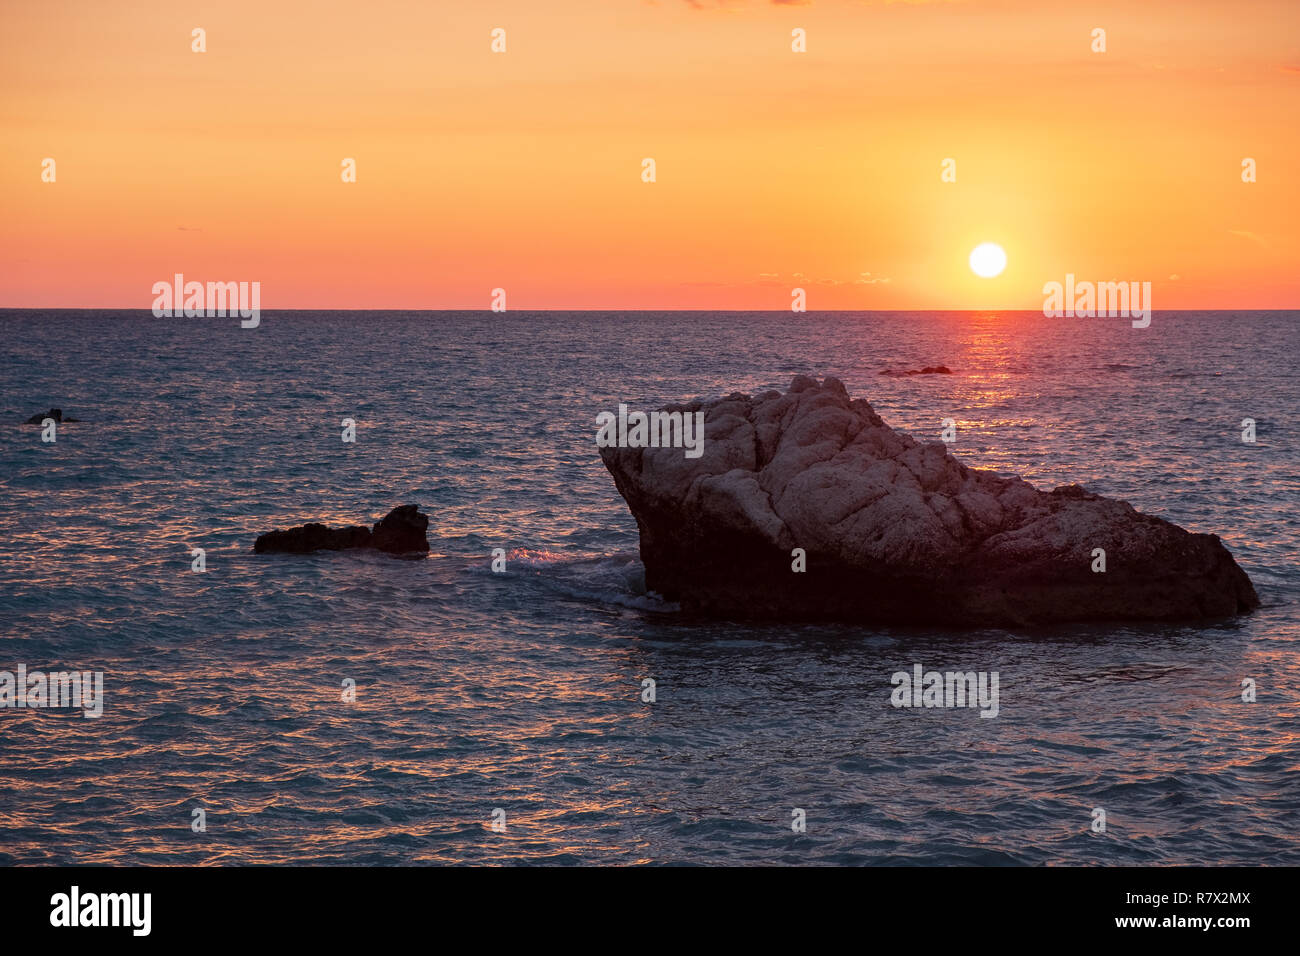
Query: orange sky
(522,170)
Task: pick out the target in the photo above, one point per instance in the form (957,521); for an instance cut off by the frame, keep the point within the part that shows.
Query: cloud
(864,278)
(706,4)
(701,5)
(770,279)
(1246,234)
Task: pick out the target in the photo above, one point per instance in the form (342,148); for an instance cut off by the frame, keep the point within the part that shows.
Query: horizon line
(145,309)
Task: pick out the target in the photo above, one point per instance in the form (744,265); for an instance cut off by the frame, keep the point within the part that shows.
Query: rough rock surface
(401,531)
(895,530)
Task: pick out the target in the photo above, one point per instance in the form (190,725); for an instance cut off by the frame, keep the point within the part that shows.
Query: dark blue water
(522,691)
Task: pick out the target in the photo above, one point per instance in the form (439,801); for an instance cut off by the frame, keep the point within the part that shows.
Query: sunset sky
(775,169)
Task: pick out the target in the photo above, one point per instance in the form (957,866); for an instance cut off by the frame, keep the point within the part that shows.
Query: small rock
(928,370)
(54,413)
(401,531)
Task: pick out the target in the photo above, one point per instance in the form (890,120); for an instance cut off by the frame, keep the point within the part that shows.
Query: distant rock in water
(401,531)
(894,530)
(928,370)
(54,413)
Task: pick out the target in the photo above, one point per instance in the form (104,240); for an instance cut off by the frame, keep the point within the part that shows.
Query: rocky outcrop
(895,530)
(401,531)
(54,413)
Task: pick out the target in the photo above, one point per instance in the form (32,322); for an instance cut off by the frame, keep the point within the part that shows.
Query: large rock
(895,530)
(401,531)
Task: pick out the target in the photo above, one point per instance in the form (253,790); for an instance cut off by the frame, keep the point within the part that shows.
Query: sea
(358,709)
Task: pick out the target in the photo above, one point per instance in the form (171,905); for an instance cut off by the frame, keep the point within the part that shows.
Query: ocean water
(521,691)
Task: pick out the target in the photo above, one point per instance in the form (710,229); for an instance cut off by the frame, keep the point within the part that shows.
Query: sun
(987,260)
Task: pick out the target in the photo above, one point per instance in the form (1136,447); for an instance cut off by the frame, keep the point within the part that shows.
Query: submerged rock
(401,531)
(54,413)
(895,530)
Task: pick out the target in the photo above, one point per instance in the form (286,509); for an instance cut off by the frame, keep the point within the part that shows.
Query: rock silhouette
(894,530)
(928,370)
(54,413)
(401,531)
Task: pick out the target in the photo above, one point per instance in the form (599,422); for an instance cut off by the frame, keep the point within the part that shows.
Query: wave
(616,578)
